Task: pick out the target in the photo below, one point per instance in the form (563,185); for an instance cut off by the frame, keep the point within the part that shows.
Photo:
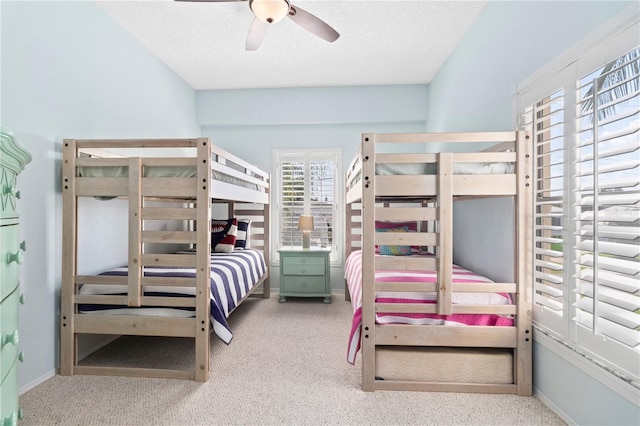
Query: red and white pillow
(223,235)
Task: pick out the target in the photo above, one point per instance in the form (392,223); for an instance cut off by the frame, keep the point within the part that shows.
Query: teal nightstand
(305,273)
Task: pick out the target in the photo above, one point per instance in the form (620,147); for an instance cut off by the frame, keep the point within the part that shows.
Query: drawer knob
(304,271)
(10,338)
(15,257)
(12,420)
(21,356)
(22,299)
(303,284)
(9,189)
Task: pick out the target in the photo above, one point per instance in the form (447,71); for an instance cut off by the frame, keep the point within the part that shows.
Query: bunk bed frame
(371,197)
(187,199)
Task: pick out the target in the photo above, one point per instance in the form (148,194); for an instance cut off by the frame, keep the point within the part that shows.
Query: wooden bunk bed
(411,331)
(177,181)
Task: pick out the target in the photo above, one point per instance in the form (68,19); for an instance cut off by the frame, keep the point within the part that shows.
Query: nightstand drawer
(303,265)
(304,284)
(303,270)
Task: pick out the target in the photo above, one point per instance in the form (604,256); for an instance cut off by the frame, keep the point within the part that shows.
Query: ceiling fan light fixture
(270,11)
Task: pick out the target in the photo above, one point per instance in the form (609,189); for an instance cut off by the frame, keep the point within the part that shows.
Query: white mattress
(164,172)
(432,168)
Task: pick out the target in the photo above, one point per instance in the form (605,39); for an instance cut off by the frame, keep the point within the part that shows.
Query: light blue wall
(256,121)
(70,71)
(474,91)
(313,105)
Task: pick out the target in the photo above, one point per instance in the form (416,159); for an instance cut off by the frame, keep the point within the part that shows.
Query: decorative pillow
(409,226)
(223,235)
(242,238)
(394,250)
(412,226)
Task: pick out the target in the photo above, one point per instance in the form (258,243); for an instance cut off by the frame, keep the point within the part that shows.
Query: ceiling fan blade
(313,24)
(256,34)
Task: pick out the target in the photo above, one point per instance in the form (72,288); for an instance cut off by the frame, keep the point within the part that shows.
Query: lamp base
(306,240)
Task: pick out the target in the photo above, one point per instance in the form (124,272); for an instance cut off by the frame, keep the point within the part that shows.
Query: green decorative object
(13,159)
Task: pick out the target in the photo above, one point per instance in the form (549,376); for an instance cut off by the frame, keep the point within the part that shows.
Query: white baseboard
(49,374)
(32,384)
(553,407)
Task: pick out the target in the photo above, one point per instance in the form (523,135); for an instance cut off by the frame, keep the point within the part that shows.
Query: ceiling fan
(272,11)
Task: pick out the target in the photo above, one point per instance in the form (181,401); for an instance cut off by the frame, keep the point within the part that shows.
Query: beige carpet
(286,365)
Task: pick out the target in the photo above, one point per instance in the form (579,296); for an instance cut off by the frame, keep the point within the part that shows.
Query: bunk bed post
(368,266)
(445,233)
(266,285)
(524,227)
(203,261)
(135,232)
(69,255)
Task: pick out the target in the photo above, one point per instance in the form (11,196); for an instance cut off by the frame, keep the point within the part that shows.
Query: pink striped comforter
(353,275)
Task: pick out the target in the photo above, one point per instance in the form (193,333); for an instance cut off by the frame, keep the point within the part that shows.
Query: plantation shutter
(607,205)
(322,190)
(587,209)
(307,185)
(547,118)
(292,184)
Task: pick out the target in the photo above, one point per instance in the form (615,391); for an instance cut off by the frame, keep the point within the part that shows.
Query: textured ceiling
(381,42)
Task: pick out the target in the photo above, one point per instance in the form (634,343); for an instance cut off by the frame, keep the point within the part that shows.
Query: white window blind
(308,184)
(606,209)
(587,210)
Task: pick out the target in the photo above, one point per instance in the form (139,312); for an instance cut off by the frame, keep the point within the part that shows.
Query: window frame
(563,336)
(335,155)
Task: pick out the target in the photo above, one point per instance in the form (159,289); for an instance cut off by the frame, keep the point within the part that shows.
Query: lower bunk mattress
(233,276)
(353,276)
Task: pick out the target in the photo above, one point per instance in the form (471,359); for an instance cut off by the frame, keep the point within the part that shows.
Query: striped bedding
(233,275)
(353,276)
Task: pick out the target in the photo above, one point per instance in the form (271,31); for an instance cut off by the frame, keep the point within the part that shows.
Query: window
(309,182)
(586,122)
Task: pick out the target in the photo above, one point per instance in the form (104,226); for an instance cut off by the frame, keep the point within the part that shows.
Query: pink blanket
(353,275)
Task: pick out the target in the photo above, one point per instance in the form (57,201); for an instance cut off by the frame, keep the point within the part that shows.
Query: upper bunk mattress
(233,276)
(164,172)
(459,168)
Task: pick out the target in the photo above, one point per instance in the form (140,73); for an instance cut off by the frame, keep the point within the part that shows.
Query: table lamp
(305,224)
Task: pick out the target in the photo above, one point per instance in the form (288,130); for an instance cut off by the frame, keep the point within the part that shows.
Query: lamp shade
(305,223)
